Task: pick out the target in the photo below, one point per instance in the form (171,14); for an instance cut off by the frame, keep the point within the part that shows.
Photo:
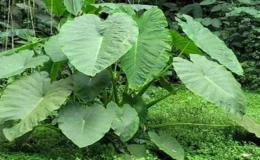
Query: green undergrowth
(214,136)
(204,131)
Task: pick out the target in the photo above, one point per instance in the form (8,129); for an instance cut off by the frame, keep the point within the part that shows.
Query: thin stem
(184,49)
(145,87)
(113,78)
(170,124)
(160,99)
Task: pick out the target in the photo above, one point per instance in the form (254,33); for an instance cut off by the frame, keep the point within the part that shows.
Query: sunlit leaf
(18,62)
(31,99)
(211,81)
(92,44)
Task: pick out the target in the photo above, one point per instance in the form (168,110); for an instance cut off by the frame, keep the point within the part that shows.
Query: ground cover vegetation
(84,72)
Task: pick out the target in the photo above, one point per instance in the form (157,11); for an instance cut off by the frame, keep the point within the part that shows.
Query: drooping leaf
(53,49)
(210,44)
(55,6)
(97,44)
(167,144)
(137,150)
(88,88)
(17,63)
(74,6)
(125,120)
(139,105)
(249,124)
(148,56)
(84,125)
(184,44)
(211,81)
(207,2)
(31,99)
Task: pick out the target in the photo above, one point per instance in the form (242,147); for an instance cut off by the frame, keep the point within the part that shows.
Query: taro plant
(81,85)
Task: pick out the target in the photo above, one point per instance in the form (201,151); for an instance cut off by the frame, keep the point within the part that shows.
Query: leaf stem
(160,99)
(114,90)
(145,87)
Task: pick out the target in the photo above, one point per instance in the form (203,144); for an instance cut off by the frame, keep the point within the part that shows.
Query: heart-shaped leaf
(84,125)
(125,120)
(31,99)
(211,81)
(92,44)
(17,63)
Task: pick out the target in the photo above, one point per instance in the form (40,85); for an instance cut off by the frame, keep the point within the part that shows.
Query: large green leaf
(17,63)
(125,120)
(31,99)
(74,6)
(55,6)
(92,44)
(184,44)
(167,144)
(88,88)
(148,56)
(211,81)
(84,125)
(53,49)
(210,44)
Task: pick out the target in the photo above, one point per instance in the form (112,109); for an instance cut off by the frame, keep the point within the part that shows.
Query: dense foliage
(84,68)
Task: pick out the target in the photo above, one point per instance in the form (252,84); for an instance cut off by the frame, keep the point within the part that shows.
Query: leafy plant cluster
(73,79)
(237,23)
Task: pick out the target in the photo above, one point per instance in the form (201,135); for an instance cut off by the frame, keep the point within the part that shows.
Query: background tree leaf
(148,56)
(210,44)
(125,120)
(35,98)
(84,125)
(212,82)
(99,43)
(17,63)
(52,48)
(167,144)
(88,88)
